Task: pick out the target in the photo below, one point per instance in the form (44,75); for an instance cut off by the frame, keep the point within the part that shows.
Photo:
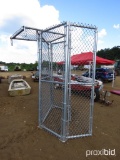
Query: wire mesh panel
(51,99)
(66,96)
(67,85)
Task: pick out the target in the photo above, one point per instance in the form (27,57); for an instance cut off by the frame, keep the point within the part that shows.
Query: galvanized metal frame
(34,34)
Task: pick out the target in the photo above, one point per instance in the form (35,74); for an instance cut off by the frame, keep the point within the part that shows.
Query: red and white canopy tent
(87,57)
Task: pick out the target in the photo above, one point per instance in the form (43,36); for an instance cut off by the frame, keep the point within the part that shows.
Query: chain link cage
(67,86)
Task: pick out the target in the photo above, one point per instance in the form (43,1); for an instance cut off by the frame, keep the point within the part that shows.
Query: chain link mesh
(78,97)
(66,97)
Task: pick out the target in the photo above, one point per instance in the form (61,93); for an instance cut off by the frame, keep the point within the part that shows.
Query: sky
(104,14)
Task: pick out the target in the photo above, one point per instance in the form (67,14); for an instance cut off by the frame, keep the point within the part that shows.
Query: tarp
(86,58)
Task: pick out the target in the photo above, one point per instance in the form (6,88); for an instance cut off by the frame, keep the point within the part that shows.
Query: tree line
(111,54)
(20,66)
(27,67)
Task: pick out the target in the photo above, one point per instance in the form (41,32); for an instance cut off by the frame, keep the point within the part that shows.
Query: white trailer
(3,68)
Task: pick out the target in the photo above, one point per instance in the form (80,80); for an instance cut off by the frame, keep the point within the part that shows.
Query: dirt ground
(21,139)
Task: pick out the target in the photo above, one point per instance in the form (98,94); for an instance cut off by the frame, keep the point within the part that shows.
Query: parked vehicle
(103,74)
(80,84)
(35,76)
(117,67)
(3,68)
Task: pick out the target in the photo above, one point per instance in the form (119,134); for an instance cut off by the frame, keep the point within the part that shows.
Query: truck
(3,68)
(117,67)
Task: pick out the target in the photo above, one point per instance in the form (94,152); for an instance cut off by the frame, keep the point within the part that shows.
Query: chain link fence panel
(67,89)
(66,96)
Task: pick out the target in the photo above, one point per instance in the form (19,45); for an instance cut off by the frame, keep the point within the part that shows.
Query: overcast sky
(44,13)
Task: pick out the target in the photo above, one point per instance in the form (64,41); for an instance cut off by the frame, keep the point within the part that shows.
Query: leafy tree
(112,54)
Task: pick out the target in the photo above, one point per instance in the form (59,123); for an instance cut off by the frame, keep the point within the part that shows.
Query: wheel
(96,95)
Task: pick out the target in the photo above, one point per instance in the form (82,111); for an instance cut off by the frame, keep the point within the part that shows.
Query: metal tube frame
(51,75)
(93,87)
(66,109)
(64,129)
(40,69)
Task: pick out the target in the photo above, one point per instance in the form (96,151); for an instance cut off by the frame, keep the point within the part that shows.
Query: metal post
(65,103)
(11,40)
(51,75)
(113,81)
(40,70)
(49,58)
(69,75)
(93,83)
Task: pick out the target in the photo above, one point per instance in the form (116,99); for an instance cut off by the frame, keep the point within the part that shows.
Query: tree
(112,54)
